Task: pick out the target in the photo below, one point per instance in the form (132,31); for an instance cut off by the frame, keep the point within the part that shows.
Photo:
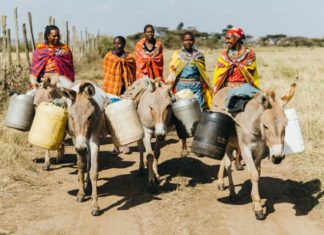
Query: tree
(180,26)
(224,31)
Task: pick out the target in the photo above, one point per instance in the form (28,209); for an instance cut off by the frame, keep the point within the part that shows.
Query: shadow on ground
(132,188)
(303,195)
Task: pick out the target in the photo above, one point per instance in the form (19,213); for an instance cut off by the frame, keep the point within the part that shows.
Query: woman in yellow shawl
(188,65)
(235,66)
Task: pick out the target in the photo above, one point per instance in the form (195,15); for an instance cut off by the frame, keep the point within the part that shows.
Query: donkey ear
(49,81)
(87,88)
(149,85)
(68,93)
(289,94)
(263,99)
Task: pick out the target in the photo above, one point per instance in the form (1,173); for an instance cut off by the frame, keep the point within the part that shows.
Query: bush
(105,45)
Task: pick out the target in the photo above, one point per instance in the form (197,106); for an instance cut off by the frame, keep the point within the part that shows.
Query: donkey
(154,109)
(259,132)
(86,124)
(45,92)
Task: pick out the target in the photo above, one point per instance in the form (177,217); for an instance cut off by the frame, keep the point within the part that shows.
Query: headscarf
(236,31)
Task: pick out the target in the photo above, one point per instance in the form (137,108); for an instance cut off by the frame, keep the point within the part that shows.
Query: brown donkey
(259,132)
(86,124)
(45,92)
(154,109)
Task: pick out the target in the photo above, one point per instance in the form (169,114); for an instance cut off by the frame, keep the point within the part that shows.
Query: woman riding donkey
(236,66)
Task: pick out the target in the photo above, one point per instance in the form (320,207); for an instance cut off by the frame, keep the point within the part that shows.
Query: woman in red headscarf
(235,66)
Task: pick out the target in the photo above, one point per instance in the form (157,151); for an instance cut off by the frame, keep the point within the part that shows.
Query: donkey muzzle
(81,146)
(276,153)
(160,131)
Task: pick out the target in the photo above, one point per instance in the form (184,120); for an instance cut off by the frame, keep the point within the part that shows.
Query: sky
(125,17)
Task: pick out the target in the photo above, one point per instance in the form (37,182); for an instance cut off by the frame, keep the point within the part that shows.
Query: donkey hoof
(95,211)
(157,180)
(184,153)
(80,198)
(259,215)
(221,187)
(239,167)
(46,167)
(152,188)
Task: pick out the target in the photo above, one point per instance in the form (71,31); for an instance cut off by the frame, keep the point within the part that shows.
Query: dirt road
(188,201)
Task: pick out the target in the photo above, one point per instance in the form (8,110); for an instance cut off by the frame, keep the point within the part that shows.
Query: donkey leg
(94,177)
(184,152)
(60,154)
(141,150)
(46,165)
(150,159)
(228,166)
(81,164)
(238,158)
(220,176)
(157,153)
(254,175)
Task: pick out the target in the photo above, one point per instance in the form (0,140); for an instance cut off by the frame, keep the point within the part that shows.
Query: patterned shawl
(246,64)
(119,72)
(180,59)
(149,63)
(61,55)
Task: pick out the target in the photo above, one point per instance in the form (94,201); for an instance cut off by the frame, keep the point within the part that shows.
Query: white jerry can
(294,142)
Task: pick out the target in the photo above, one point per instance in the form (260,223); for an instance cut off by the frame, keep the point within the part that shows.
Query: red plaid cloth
(61,55)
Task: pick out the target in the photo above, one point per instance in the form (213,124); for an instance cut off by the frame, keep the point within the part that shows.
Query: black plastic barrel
(212,134)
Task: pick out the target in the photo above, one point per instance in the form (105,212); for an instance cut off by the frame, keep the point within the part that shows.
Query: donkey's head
(84,114)
(274,121)
(49,88)
(158,100)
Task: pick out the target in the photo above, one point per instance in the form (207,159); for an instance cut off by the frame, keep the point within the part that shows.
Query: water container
(48,127)
(212,134)
(123,122)
(186,114)
(20,112)
(293,138)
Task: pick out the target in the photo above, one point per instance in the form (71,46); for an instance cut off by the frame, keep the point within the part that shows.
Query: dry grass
(278,67)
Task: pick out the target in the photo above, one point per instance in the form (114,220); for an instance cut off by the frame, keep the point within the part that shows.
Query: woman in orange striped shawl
(149,55)
(119,73)
(119,68)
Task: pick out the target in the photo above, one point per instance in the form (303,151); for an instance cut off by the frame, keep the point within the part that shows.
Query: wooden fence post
(17,36)
(26,44)
(67,33)
(4,39)
(9,59)
(31,30)
(63,32)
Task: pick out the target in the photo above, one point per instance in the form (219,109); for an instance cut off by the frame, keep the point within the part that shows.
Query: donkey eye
(70,116)
(89,118)
(151,107)
(265,127)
